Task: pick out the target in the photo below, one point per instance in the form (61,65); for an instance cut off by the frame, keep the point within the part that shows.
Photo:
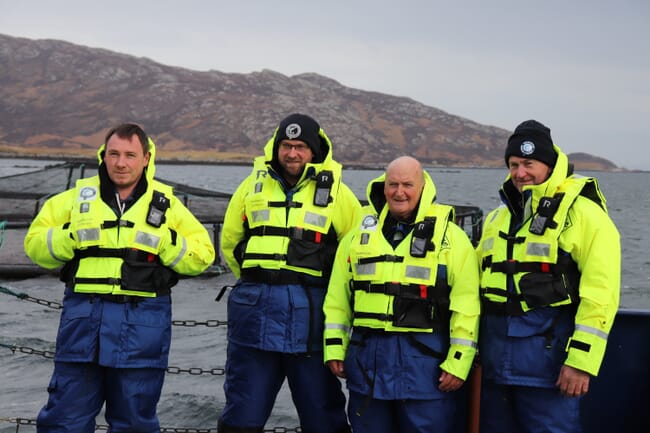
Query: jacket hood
(377,199)
(150,169)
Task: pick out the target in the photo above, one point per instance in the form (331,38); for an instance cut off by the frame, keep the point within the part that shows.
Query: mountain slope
(58,98)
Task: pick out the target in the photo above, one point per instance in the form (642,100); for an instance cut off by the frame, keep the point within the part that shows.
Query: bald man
(405,283)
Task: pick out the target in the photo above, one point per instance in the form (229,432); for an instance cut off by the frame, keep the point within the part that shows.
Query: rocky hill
(58,99)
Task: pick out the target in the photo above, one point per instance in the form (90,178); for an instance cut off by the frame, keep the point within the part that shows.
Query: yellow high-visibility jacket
(371,279)
(106,253)
(295,230)
(565,250)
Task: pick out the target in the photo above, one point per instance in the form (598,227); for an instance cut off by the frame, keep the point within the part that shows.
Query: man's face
(524,171)
(402,189)
(293,155)
(125,162)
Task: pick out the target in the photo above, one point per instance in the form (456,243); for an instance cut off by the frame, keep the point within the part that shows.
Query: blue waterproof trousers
(526,409)
(77,392)
(254,378)
(401,416)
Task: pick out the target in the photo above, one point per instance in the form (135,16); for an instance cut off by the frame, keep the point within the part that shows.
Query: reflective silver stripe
(180,254)
(488,244)
(147,239)
(88,235)
(538,249)
(260,215)
(365,269)
(315,219)
(463,342)
(50,246)
(593,331)
(420,272)
(337,326)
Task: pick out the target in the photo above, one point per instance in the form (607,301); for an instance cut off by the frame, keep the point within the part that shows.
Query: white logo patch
(369,221)
(527,148)
(293,131)
(87,193)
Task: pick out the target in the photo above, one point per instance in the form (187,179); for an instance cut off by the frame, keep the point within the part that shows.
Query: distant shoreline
(346,166)
(174,161)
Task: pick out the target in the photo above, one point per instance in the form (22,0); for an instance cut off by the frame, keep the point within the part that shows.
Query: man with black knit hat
(279,237)
(299,127)
(550,281)
(532,140)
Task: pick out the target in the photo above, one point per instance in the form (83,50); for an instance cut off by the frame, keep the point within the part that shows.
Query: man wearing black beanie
(303,128)
(550,283)
(279,237)
(532,140)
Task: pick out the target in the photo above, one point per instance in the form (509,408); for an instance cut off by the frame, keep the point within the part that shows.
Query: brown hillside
(59,99)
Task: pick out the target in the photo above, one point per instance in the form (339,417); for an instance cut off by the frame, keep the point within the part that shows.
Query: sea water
(194,401)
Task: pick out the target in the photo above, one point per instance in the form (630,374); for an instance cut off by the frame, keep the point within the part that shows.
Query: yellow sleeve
(337,306)
(232,232)
(48,241)
(465,306)
(192,252)
(346,212)
(594,244)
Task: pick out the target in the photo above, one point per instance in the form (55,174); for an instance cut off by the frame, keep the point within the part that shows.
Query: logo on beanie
(293,131)
(527,148)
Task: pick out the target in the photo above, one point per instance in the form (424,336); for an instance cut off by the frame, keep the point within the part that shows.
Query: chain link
(283,430)
(195,371)
(208,323)
(57,306)
(19,421)
(26,421)
(25,297)
(30,351)
(45,302)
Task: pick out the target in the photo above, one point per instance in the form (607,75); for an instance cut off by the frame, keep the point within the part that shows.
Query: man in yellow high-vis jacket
(402,309)
(550,278)
(279,238)
(121,238)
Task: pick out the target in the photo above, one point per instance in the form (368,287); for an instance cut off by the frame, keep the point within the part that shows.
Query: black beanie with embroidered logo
(300,127)
(532,139)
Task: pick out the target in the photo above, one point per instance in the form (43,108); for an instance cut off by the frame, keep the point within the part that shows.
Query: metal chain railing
(29,350)
(192,323)
(100,427)
(57,305)
(195,371)
(26,297)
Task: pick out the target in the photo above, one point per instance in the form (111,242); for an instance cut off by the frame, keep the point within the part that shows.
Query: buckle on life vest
(510,266)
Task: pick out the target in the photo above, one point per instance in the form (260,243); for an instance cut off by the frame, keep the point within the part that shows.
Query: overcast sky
(581,67)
